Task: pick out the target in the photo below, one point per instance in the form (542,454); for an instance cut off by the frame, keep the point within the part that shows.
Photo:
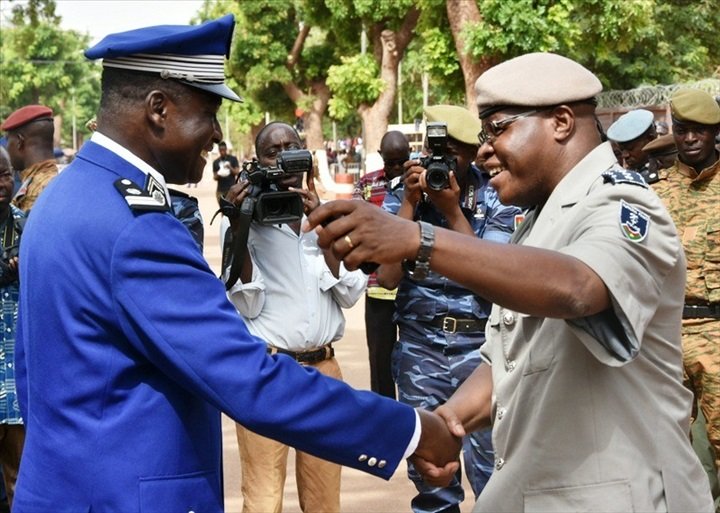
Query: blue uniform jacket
(129,349)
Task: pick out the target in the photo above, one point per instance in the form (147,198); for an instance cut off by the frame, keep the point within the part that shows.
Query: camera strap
(234,244)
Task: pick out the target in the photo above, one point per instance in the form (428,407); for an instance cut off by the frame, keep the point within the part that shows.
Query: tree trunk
(314,139)
(461,13)
(390,46)
(320,95)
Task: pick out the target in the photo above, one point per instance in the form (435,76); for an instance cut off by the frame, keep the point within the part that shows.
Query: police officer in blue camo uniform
(631,132)
(187,210)
(122,383)
(441,324)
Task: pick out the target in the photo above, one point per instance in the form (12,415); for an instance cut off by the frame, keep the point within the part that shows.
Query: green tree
(626,44)
(280,59)
(368,82)
(40,63)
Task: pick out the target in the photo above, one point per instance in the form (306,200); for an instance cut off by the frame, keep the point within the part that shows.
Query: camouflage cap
(534,80)
(694,106)
(462,125)
(663,145)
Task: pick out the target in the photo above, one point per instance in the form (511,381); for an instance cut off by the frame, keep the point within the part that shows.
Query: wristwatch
(419,269)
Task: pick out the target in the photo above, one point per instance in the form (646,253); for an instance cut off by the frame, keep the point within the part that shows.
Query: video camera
(272,205)
(438,165)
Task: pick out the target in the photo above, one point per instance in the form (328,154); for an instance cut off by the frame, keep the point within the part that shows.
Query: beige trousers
(264,465)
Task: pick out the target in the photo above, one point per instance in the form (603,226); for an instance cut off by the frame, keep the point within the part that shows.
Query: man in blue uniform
(441,323)
(121,379)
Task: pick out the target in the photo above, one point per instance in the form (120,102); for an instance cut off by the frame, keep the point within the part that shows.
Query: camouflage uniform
(692,200)
(33,180)
(186,209)
(431,363)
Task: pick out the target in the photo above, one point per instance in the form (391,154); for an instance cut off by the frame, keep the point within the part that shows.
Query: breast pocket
(540,342)
(711,264)
(607,497)
(198,493)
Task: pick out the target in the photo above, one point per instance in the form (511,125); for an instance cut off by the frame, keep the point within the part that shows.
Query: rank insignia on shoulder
(142,200)
(634,223)
(616,175)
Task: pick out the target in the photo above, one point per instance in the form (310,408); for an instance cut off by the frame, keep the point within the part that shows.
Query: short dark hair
(122,87)
(222,144)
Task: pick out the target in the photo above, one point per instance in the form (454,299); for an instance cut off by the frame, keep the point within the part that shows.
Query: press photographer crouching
(290,293)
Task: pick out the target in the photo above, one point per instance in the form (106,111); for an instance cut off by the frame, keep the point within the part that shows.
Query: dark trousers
(12,439)
(381,333)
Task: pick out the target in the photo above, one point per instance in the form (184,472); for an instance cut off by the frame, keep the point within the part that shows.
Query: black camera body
(438,165)
(272,205)
(7,275)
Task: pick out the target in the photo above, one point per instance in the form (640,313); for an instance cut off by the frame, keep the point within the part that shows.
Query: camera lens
(438,176)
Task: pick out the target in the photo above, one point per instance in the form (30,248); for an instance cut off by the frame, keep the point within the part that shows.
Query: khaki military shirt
(33,180)
(591,414)
(693,200)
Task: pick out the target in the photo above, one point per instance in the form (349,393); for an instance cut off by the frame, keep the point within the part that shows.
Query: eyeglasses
(492,130)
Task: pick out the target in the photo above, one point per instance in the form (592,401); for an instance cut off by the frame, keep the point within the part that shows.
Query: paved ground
(360,492)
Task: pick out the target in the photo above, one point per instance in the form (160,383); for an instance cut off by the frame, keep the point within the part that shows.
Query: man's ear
(156,109)
(563,122)
(19,141)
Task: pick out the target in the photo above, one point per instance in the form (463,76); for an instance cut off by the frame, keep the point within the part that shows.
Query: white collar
(125,154)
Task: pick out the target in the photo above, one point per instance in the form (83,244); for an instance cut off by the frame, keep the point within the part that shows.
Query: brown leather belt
(453,325)
(312,356)
(709,311)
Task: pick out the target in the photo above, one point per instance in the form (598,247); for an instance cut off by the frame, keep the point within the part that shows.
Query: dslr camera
(272,205)
(438,165)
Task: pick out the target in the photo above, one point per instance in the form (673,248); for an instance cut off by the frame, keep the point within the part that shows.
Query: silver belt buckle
(446,324)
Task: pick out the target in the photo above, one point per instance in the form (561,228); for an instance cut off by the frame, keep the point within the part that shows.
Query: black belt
(312,356)
(701,311)
(453,325)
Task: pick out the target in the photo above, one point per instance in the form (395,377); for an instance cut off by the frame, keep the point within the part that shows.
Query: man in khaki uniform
(690,189)
(583,380)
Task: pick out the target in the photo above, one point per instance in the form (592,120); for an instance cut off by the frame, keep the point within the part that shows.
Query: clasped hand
(436,457)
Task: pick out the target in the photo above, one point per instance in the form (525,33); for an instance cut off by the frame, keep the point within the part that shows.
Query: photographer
(225,171)
(290,293)
(12,432)
(441,324)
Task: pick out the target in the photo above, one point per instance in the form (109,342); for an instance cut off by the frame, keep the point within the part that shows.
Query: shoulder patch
(139,199)
(634,223)
(616,175)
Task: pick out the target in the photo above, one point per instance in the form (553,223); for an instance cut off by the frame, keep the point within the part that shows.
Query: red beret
(26,114)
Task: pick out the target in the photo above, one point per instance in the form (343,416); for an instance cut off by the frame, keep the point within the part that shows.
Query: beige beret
(664,144)
(694,106)
(534,80)
(462,125)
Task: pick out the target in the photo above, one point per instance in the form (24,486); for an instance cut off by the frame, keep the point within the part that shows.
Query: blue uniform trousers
(427,374)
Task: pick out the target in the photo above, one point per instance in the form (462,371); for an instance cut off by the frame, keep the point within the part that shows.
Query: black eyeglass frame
(496,128)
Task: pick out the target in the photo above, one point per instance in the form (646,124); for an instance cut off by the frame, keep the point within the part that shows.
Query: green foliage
(627,44)
(40,63)
(354,82)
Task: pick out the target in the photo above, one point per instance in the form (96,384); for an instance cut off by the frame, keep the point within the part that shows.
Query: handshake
(436,456)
